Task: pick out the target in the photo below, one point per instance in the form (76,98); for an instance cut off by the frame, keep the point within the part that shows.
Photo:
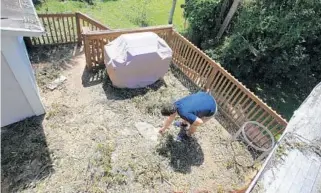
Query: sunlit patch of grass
(120,13)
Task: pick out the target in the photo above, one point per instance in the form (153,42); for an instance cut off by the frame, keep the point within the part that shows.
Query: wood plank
(189,59)
(174,48)
(212,81)
(69,31)
(55,29)
(219,89)
(55,15)
(210,72)
(60,30)
(73,28)
(63,24)
(232,95)
(93,21)
(198,69)
(224,94)
(179,51)
(230,92)
(261,116)
(102,33)
(203,79)
(196,63)
(248,106)
(232,100)
(97,51)
(183,53)
(273,122)
(219,81)
(50,31)
(267,119)
(87,52)
(253,109)
(79,38)
(44,36)
(255,114)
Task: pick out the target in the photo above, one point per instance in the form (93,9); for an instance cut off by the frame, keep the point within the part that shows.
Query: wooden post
(78,29)
(228,18)
(87,53)
(171,14)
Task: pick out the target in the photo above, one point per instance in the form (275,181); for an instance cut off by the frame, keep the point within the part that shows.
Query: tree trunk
(171,14)
(228,18)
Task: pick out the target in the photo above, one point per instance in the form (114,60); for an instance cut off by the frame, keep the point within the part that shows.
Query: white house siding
(14,104)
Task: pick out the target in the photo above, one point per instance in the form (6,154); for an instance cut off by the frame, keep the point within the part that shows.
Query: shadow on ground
(25,157)
(114,93)
(192,87)
(54,54)
(93,77)
(183,155)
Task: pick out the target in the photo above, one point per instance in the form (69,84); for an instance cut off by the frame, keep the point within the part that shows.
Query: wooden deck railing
(235,101)
(94,41)
(64,28)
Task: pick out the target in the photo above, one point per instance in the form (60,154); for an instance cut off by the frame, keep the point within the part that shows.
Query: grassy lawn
(120,13)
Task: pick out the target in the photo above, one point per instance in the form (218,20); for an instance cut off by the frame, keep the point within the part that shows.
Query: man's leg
(205,119)
(197,122)
(193,126)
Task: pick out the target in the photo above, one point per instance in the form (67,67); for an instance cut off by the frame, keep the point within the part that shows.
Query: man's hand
(167,123)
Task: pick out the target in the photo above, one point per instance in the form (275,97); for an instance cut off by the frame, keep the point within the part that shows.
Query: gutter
(254,181)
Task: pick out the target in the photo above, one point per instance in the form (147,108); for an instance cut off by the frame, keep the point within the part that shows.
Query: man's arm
(168,122)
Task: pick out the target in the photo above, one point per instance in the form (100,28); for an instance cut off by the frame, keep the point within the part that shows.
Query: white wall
(14,104)
(19,91)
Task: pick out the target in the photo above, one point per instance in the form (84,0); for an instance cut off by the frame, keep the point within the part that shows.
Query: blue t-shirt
(200,105)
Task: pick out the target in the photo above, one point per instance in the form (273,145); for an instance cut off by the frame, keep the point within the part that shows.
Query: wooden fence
(64,28)
(235,101)
(94,41)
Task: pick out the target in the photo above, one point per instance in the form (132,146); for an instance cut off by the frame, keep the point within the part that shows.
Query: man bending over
(194,109)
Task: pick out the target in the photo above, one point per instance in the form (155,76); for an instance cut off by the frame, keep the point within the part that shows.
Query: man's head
(168,109)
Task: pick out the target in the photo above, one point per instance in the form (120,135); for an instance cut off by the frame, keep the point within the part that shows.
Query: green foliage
(270,44)
(276,42)
(203,17)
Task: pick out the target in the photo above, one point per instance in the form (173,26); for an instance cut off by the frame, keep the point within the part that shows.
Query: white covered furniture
(137,60)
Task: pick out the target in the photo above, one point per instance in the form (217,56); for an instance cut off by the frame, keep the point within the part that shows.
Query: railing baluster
(50,31)
(45,27)
(64,27)
(55,29)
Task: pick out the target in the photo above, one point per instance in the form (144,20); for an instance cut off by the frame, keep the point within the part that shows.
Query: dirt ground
(90,139)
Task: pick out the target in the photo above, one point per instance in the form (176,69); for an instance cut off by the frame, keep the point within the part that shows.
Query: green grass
(120,13)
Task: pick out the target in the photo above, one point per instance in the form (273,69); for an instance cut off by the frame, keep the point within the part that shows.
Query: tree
(171,14)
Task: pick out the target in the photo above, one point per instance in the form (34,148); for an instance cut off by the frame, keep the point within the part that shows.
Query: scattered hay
(25,157)
(100,168)
(96,147)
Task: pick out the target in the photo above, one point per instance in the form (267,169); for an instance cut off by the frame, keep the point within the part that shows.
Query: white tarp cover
(137,60)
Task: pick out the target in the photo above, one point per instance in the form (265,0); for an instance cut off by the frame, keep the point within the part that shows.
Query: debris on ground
(148,131)
(57,82)
(97,138)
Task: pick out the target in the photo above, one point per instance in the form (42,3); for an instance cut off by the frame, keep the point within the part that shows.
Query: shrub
(275,42)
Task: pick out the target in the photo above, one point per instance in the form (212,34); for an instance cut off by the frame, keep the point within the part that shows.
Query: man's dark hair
(168,109)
